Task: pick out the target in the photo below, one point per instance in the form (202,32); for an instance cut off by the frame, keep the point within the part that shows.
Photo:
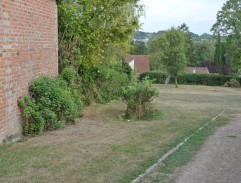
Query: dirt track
(219,160)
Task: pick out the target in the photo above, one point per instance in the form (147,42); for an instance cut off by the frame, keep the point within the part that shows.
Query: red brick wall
(28,49)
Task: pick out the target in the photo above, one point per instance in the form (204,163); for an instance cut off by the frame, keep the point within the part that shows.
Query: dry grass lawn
(101,147)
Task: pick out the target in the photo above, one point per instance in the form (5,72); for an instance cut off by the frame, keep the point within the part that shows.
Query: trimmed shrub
(190,79)
(138,98)
(203,79)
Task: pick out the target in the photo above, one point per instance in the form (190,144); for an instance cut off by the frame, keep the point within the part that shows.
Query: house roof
(198,70)
(141,62)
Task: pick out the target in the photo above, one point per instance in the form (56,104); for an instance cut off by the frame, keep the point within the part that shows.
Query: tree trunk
(176,81)
(167,79)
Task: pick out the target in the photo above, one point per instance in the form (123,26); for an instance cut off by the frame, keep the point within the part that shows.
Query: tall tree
(174,58)
(90,31)
(156,49)
(229,24)
(221,59)
(189,45)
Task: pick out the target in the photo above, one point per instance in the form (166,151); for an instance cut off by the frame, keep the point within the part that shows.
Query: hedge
(189,79)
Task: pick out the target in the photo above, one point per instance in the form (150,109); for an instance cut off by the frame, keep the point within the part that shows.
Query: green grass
(101,147)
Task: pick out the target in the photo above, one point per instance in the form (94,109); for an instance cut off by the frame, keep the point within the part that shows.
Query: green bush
(101,84)
(110,87)
(52,103)
(69,74)
(33,120)
(190,79)
(138,98)
(233,83)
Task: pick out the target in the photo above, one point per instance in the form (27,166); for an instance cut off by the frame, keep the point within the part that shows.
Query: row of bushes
(189,79)
(105,84)
(54,102)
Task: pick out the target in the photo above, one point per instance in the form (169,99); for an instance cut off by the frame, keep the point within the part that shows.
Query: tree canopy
(189,47)
(228,19)
(90,32)
(229,24)
(156,49)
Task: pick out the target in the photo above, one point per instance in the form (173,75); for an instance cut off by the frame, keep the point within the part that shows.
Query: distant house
(196,70)
(139,63)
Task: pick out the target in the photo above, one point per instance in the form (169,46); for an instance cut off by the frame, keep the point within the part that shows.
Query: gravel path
(219,160)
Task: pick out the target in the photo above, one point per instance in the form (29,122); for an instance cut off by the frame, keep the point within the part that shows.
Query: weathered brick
(28,49)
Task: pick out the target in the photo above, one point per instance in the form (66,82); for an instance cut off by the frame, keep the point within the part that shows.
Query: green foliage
(33,120)
(203,79)
(51,105)
(167,51)
(222,58)
(229,24)
(189,79)
(228,19)
(48,93)
(69,74)
(199,50)
(138,48)
(174,58)
(111,82)
(138,97)
(202,51)
(101,84)
(88,98)
(156,49)
(188,44)
(89,33)
(196,51)
(126,68)
(233,83)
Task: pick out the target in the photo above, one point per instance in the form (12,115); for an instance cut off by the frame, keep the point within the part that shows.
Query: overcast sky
(199,15)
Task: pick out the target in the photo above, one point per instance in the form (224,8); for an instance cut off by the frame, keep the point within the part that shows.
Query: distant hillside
(139,35)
